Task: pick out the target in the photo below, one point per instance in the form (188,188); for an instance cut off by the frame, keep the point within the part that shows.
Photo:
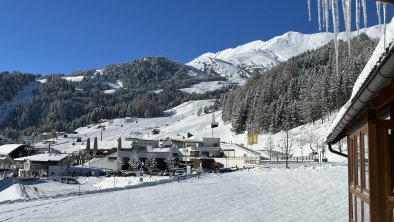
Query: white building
(42,165)
(208,153)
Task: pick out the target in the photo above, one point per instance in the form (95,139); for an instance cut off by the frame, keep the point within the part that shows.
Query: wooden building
(9,152)
(367,122)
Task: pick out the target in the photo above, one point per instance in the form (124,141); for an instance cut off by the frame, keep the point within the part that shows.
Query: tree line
(303,89)
(61,105)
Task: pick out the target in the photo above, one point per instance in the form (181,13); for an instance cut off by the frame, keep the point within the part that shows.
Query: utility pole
(287,148)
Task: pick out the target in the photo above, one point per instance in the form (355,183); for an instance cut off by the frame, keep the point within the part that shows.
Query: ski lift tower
(214,124)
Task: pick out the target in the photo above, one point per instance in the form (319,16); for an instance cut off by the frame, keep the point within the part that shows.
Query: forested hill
(300,90)
(11,83)
(141,88)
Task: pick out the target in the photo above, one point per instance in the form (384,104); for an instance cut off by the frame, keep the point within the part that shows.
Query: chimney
(119,144)
(95,146)
(88,146)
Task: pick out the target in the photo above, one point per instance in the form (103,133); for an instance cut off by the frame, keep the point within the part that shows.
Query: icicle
(344,11)
(309,9)
(349,23)
(319,14)
(378,5)
(334,7)
(346,8)
(323,14)
(364,4)
(326,8)
(384,23)
(358,17)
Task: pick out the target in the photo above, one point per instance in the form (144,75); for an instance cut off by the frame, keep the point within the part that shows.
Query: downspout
(336,152)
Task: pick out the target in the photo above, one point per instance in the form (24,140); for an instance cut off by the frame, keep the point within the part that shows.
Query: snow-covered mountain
(237,63)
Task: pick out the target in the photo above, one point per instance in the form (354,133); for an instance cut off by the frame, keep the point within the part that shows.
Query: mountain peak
(237,63)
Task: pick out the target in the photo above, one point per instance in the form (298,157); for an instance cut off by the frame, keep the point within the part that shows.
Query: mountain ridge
(238,63)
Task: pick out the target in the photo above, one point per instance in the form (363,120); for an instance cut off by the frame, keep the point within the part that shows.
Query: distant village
(46,158)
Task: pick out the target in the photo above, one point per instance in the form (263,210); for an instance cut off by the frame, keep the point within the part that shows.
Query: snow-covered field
(204,87)
(15,189)
(313,193)
(303,193)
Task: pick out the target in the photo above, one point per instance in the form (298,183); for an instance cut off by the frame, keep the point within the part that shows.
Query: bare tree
(151,161)
(134,161)
(319,144)
(342,145)
(311,140)
(199,111)
(270,145)
(169,161)
(287,145)
(301,142)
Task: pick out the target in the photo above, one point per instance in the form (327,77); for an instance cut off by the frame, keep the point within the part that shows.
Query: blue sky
(60,36)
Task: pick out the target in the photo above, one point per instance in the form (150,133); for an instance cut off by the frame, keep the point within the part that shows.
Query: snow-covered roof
(180,139)
(8,148)
(44,157)
(377,72)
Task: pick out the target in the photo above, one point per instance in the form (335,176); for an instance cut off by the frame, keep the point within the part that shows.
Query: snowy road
(302,194)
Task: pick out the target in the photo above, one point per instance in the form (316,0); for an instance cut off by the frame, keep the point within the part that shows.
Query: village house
(208,153)
(9,152)
(42,165)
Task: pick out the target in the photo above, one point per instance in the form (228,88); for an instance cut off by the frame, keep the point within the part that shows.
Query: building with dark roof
(9,152)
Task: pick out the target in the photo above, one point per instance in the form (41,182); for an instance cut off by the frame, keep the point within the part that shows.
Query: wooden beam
(375,172)
(392,110)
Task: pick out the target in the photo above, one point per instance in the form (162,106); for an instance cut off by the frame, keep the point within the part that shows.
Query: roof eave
(376,81)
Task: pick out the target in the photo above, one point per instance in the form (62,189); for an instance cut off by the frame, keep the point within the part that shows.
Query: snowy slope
(203,87)
(237,63)
(179,121)
(74,78)
(113,86)
(299,194)
(24,96)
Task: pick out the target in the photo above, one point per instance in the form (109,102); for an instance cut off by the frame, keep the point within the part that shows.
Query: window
(358,161)
(366,162)
(358,210)
(351,162)
(354,208)
(391,155)
(205,154)
(366,213)
(359,176)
